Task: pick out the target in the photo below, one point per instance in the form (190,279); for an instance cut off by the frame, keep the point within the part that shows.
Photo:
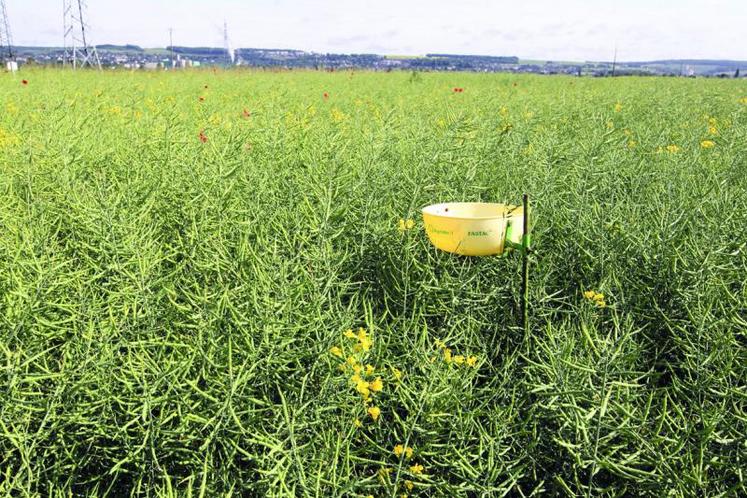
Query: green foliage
(174,273)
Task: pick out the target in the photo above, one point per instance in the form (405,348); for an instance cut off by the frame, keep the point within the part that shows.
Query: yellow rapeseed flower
(416,469)
(399,449)
(351,360)
(743,100)
(357,423)
(374,412)
(336,351)
(447,355)
(357,368)
(338,116)
(362,387)
(377,385)
(349,334)
(409,485)
(472,361)
(370,369)
(363,345)
(673,149)
(459,359)
(405,224)
(397,373)
(618,107)
(8,139)
(362,336)
(596,297)
(707,144)
(712,130)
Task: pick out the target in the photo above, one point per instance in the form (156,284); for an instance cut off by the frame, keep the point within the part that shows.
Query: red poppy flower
(24,82)
(201,99)
(246,113)
(203,137)
(325,95)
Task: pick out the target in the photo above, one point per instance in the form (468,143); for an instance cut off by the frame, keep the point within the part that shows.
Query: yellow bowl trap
(474,228)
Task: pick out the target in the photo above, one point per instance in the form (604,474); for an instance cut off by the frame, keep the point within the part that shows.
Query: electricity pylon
(6,40)
(78,51)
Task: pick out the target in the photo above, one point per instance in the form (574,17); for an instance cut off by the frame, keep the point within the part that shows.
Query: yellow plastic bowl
(473,228)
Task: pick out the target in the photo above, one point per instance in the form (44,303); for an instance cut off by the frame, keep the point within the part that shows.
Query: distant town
(135,57)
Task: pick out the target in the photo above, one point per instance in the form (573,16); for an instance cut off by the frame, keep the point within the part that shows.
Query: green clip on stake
(524,247)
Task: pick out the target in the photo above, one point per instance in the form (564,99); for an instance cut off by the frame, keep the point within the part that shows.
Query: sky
(573,30)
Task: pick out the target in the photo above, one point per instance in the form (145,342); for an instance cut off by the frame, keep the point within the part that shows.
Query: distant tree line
(198,51)
(128,48)
(478,58)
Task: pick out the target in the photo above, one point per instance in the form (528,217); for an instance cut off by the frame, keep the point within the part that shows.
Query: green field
(181,255)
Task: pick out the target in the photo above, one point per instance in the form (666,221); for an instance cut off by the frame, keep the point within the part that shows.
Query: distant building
(135,57)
